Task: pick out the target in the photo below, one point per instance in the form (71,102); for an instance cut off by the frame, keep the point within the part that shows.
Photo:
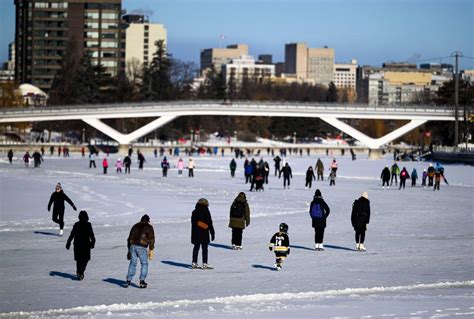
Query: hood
(317,193)
(83,217)
(241,197)
(145,218)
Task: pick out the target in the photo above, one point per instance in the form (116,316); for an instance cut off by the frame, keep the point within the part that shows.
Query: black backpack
(237,209)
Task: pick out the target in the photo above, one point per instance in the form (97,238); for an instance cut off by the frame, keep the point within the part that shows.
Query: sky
(371,31)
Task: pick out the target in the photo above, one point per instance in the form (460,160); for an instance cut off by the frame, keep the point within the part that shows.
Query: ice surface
(419,261)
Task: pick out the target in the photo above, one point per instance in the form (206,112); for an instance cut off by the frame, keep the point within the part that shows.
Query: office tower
(216,57)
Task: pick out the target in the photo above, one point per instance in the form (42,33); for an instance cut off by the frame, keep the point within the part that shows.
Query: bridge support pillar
(123,149)
(375,153)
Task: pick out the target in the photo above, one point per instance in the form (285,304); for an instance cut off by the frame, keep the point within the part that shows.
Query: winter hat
(83,217)
(203,201)
(242,195)
(58,185)
(317,193)
(365,195)
(145,218)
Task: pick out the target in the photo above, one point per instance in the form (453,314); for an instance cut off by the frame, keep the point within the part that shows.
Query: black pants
(127,169)
(402,183)
(252,181)
(413,182)
(318,235)
(436,186)
(280,257)
(232,172)
(320,174)
(360,235)
(430,181)
(92,163)
(248,178)
(105,170)
(237,236)
(277,170)
(191,172)
(266,178)
(81,266)
(332,182)
(196,252)
(385,181)
(308,183)
(286,179)
(58,218)
(394,176)
(165,172)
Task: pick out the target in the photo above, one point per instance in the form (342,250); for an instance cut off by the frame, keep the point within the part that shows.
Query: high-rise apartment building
(316,64)
(245,68)
(217,57)
(141,37)
(45,29)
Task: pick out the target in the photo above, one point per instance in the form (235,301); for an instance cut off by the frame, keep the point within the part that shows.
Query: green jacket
(243,221)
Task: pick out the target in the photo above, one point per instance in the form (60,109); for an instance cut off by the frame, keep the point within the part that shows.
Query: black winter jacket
(385,176)
(201,217)
(286,171)
(319,223)
(58,199)
(310,175)
(360,216)
(84,240)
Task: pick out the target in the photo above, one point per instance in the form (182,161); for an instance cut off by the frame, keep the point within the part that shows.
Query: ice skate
(61,232)
(358,246)
(321,247)
(206,266)
(362,248)
(143,284)
(194,266)
(278,267)
(127,284)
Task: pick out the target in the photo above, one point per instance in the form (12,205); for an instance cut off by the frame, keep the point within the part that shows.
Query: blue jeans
(142,254)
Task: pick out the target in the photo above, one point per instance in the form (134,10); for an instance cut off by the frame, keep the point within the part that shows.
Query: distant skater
(84,241)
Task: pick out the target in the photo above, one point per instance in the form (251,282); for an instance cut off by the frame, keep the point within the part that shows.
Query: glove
(129,256)
(92,246)
(270,248)
(68,245)
(213,236)
(288,251)
(74,207)
(151,254)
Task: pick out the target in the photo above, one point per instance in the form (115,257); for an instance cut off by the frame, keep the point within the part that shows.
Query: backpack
(316,212)
(238,209)
(404,173)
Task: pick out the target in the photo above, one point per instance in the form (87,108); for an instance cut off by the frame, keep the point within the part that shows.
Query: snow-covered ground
(419,261)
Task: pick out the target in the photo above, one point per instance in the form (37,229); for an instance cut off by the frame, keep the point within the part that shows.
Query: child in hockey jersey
(280,244)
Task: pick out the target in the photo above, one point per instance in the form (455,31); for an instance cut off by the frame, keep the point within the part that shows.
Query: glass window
(92,25)
(92,15)
(108,35)
(92,44)
(41,4)
(111,16)
(109,54)
(91,34)
(109,44)
(106,25)
(109,64)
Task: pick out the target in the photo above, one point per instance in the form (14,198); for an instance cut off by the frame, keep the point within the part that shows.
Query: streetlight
(294,137)
(83,135)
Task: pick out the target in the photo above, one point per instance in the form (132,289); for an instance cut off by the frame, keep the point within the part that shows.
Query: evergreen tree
(157,84)
(331,95)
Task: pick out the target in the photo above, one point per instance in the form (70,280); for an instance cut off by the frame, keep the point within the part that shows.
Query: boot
(362,248)
(194,266)
(127,284)
(358,246)
(321,247)
(143,284)
(61,232)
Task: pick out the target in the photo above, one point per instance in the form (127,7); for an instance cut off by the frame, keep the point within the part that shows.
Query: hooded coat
(360,216)
(83,237)
(244,221)
(385,176)
(199,235)
(317,199)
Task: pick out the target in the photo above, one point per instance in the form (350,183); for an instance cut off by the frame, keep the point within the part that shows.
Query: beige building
(217,57)
(345,74)
(140,40)
(310,63)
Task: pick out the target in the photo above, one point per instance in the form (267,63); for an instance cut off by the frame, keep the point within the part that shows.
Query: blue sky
(372,31)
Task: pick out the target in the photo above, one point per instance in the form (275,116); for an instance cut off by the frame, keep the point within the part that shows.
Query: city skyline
(414,31)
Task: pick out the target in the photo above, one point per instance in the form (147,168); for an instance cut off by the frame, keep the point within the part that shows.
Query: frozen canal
(419,261)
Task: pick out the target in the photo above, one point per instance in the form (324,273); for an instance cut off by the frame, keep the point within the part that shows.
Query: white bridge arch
(168,111)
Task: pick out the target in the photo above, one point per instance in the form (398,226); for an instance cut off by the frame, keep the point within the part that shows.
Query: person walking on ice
(141,237)
(239,219)
(319,212)
(385,176)
(360,218)
(287,175)
(201,228)
(191,167)
(57,199)
(84,241)
(309,177)
(280,244)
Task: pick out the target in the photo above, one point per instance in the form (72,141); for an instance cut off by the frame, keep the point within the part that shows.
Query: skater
(155,152)
(287,175)
(385,176)
(164,166)
(259,180)
(105,165)
(319,212)
(277,161)
(353,155)
(395,170)
(10,156)
(403,177)
(334,166)
(233,167)
(141,160)
(201,227)
(248,170)
(253,180)
(127,161)
(239,219)
(191,167)
(431,173)
(280,244)
(266,171)
(141,237)
(440,169)
(423,178)
(180,166)
(84,241)
(414,177)
(37,159)
(360,218)
(92,160)
(437,180)
(118,166)
(309,177)
(42,150)
(332,178)
(26,159)
(83,151)
(51,150)
(320,169)
(58,197)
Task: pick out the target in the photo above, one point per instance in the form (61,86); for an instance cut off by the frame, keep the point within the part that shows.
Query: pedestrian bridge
(168,111)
